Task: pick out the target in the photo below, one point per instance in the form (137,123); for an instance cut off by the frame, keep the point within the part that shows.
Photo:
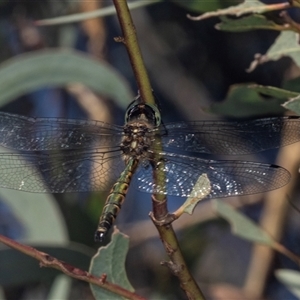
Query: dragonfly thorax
(137,140)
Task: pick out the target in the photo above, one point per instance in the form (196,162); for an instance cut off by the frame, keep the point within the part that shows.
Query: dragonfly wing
(38,134)
(227,178)
(72,172)
(232,137)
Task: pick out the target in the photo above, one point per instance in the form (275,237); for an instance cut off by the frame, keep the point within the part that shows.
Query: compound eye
(127,116)
(156,114)
(136,109)
(131,108)
(157,118)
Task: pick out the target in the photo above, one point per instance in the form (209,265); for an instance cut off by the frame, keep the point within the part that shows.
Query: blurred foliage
(14,265)
(205,63)
(241,225)
(57,68)
(203,6)
(243,101)
(248,23)
(291,279)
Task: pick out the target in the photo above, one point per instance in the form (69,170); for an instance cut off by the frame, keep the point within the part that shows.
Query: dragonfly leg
(168,219)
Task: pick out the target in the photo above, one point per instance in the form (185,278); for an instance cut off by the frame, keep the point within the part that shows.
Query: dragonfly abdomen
(115,200)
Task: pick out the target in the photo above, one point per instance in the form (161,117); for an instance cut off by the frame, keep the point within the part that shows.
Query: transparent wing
(227,178)
(233,137)
(31,134)
(72,172)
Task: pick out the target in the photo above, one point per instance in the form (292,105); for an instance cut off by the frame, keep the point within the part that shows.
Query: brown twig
(291,23)
(49,261)
(241,10)
(283,250)
(177,263)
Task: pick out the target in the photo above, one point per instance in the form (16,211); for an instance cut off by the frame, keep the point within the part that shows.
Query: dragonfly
(69,155)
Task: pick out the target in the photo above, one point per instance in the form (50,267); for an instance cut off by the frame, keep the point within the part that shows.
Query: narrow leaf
(110,260)
(243,101)
(248,23)
(57,68)
(247,7)
(241,225)
(203,6)
(291,279)
(293,105)
(201,188)
(273,91)
(286,44)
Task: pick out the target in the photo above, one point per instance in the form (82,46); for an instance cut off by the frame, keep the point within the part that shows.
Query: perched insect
(65,155)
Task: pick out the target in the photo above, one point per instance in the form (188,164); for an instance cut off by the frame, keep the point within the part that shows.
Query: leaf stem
(283,250)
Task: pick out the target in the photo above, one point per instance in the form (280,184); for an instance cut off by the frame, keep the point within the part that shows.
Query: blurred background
(192,67)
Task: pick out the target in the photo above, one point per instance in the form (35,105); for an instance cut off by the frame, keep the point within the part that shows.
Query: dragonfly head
(142,111)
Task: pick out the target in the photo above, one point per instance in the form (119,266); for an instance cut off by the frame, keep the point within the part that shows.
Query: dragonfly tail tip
(99,236)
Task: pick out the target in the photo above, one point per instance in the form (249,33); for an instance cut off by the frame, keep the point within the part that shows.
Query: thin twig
(49,261)
(292,24)
(241,10)
(283,250)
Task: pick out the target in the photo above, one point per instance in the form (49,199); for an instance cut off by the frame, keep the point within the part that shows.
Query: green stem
(176,264)
(134,52)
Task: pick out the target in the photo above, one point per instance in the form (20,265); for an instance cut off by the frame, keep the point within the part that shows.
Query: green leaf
(293,105)
(61,288)
(242,101)
(286,44)
(201,189)
(110,260)
(292,85)
(273,91)
(247,7)
(57,68)
(291,279)
(248,23)
(203,6)
(241,225)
